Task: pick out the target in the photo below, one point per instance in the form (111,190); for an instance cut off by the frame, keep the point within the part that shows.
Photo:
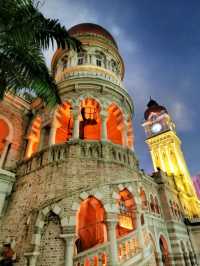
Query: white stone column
(104,117)
(125,133)
(4,153)
(7,180)
(52,136)
(31,258)
(111,225)
(69,249)
(2,201)
(75,113)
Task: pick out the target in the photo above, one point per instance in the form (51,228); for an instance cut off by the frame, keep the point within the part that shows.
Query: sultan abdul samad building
(71,190)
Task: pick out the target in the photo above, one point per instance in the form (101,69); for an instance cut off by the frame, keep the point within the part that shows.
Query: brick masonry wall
(58,181)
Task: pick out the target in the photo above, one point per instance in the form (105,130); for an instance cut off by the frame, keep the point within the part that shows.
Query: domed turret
(99,57)
(153,107)
(94,29)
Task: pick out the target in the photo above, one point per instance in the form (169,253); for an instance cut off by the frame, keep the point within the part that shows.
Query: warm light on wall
(125,221)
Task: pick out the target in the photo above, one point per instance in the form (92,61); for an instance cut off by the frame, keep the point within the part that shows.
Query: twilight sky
(159,41)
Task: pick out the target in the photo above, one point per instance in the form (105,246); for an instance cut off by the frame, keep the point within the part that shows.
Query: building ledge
(80,149)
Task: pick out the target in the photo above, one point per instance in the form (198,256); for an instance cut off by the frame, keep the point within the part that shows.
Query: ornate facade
(71,190)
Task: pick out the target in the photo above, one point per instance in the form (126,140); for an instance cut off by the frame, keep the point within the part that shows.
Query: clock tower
(166,153)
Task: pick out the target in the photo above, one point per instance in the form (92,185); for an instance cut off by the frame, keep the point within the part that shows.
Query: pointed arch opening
(51,242)
(90,122)
(152,203)
(63,122)
(34,137)
(143,198)
(115,124)
(127,217)
(91,227)
(157,207)
(164,251)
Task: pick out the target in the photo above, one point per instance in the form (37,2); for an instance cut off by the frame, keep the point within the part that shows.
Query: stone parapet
(90,150)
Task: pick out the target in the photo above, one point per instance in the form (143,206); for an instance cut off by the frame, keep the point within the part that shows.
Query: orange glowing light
(4,132)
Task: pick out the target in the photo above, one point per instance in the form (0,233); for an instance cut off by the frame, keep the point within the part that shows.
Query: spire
(152,103)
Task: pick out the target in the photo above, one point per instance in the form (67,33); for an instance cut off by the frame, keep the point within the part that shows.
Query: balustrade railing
(83,149)
(96,256)
(128,246)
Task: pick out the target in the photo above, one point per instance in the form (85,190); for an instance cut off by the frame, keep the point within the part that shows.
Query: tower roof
(91,28)
(153,107)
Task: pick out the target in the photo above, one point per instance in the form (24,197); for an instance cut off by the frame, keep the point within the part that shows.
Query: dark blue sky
(160,44)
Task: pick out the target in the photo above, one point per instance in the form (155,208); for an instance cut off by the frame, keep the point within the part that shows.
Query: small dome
(153,107)
(91,28)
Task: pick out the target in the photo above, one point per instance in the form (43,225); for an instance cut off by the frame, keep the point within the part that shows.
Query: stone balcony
(78,149)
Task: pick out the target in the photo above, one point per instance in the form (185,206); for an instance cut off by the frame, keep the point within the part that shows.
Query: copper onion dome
(91,28)
(153,107)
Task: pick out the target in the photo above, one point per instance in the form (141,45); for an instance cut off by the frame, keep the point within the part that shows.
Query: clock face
(156,128)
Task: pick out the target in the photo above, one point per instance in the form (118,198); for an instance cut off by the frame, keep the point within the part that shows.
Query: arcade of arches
(91,220)
(87,122)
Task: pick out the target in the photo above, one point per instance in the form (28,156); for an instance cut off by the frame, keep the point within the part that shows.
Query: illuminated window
(157,208)
(64,123)
(152,205)
(91,227)
(164,251)
(143,199)
(34,137)
(115,124)
(90,124)
(127,216)
(4,132)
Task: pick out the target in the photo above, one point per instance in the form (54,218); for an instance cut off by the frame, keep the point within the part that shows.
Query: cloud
(69,14)
(182,115)
(126,44)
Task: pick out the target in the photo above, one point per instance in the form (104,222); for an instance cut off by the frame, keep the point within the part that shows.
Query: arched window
(157,208)
(100,59)
(142,219)
(143,198)
(115,124)
(91,228)
(152,204)
(90,123)
(127,216)
(114,67)
(81,58)
(165,251)
(34,137)
(63,122)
